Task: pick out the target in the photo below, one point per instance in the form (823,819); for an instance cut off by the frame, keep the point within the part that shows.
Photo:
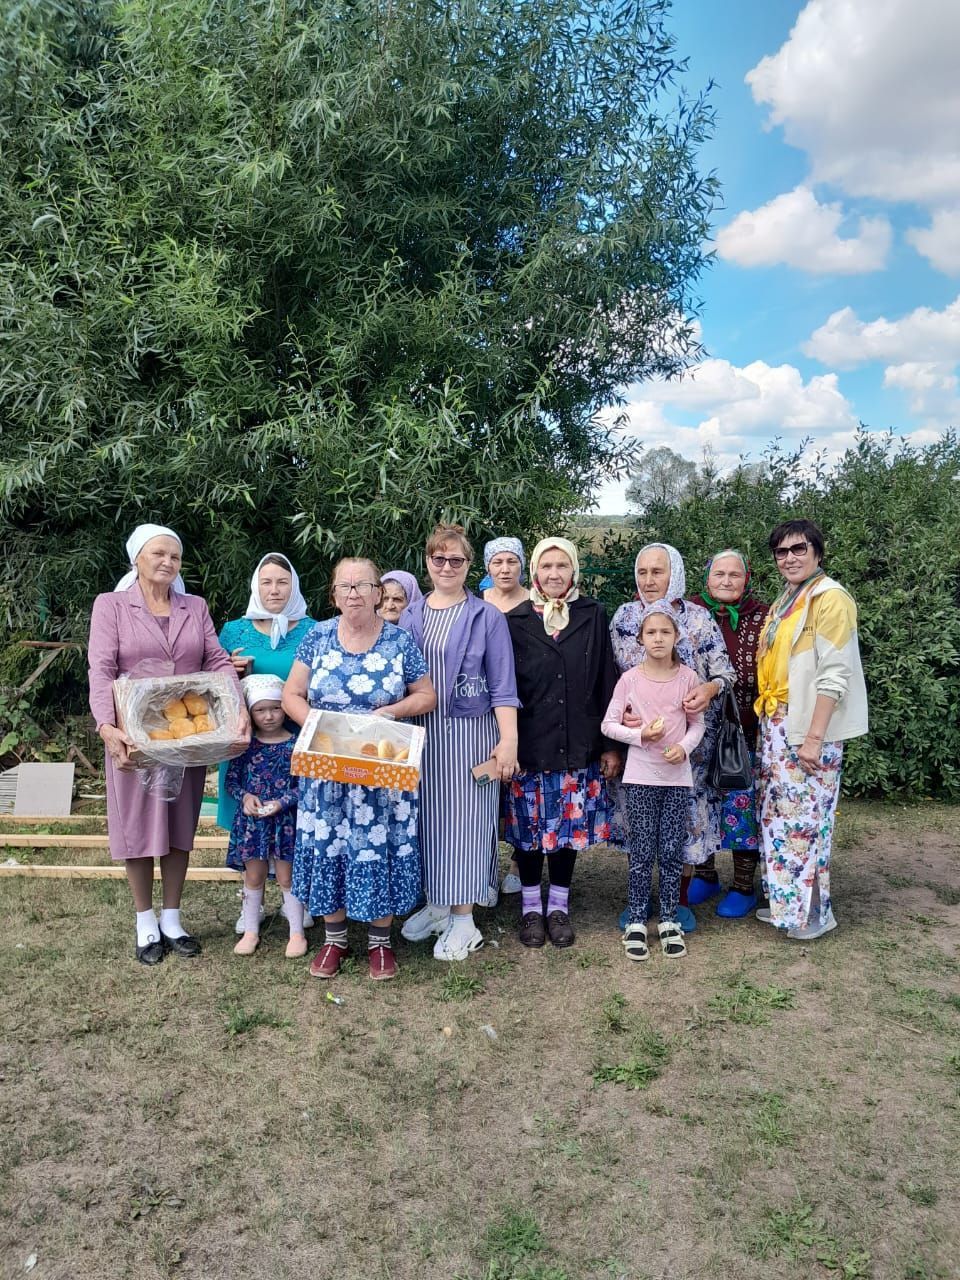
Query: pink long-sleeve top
(650,699)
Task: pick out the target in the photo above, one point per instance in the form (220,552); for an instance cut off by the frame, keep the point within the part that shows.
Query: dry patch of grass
(757,1109)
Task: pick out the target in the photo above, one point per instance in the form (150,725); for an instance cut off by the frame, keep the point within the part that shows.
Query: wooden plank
(115,872)
(90,842)
(74,819)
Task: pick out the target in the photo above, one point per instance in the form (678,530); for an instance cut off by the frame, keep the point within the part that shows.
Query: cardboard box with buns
(343,746)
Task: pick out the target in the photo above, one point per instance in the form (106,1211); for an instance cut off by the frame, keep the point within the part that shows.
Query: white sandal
(635,942)
(671,939)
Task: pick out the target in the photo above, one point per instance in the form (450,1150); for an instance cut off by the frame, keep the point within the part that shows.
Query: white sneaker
(813,930)
(763,913)
(456,944)
(239,926)
(426,922)
(511,884)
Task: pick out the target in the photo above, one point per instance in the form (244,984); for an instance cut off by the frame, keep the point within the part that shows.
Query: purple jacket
(123,633)
(479,652)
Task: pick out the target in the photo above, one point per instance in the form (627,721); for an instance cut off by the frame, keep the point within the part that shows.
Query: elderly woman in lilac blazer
(150,616)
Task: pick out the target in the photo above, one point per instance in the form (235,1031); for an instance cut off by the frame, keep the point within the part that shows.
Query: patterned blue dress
(264,771)
(357,846)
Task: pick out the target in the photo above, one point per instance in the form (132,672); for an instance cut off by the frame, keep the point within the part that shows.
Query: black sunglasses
(795,549)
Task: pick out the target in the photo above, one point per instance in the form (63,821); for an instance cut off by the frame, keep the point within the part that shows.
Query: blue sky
(835,294)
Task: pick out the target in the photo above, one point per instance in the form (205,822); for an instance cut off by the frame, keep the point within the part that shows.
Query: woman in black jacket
(557,803)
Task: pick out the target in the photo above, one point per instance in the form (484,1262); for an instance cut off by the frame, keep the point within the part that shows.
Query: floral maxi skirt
(796,812)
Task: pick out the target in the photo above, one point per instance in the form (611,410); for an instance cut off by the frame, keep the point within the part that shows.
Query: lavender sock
(293,910)
(558,899)
(531,899)
(252,901)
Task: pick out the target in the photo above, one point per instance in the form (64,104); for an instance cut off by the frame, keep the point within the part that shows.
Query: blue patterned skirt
(738,821)
(356,848)
(557,810)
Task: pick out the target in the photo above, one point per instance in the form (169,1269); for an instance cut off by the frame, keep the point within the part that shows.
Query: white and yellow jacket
(825,658)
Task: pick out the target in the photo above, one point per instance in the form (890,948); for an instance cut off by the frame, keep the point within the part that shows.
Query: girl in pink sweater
(647,712)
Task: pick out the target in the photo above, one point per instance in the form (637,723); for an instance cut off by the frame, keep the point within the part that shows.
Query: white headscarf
(292,611)
(677,586)
(263,688)
(135,544)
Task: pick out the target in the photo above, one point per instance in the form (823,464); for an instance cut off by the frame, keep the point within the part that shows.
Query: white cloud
(940,242)
(845,341)
(795,229)
(869,89)
(739,409)
(931,388)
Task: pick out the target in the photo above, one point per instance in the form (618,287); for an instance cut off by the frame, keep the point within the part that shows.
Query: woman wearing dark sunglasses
(467,647)
(812,698)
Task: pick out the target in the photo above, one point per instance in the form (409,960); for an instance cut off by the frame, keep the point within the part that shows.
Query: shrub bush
(891,516)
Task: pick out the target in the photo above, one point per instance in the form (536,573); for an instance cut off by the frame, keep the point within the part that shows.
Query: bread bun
(182,728)
(204,724)
(401,755)
(175,710)
(160,735)
(368,749)
(196,704)
(322,742)
(385,749)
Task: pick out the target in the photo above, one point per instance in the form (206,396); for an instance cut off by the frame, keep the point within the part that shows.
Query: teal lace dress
(242,634)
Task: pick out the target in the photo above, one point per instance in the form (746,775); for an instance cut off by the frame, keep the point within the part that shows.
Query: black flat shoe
(152,953)
(184,946)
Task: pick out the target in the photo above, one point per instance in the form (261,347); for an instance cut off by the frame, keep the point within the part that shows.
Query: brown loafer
(383,963)
(560,929)
(531,932)
(326,963)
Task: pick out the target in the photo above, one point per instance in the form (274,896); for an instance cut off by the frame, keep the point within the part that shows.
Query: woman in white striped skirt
(470,657)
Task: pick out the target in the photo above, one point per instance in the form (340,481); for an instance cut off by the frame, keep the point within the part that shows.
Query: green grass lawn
(759,1109)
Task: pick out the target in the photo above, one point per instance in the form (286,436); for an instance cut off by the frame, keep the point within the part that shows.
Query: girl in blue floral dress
(357,853)
(264,820)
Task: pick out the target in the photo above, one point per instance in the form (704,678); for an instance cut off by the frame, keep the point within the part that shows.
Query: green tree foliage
(661,478)
(890,515)
(306,276)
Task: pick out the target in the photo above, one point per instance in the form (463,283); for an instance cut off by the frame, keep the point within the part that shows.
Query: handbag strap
(730,709)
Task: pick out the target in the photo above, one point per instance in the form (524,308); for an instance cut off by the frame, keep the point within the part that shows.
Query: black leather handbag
(730,768)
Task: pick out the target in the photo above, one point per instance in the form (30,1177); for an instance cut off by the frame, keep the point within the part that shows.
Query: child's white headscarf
(263,688)
(292,611)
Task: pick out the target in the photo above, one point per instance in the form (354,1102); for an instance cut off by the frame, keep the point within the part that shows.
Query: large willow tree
(308,275)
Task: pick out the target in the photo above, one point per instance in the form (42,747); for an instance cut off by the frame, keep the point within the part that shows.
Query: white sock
(462,923)
(170,923)
(147,928)
(293,910)
(252,902)
(438,913)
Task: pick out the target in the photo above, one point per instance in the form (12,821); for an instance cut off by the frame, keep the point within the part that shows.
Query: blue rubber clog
(700,890)
(686,920)
(734,904)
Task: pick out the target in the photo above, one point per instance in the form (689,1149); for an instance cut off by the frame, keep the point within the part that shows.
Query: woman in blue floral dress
(357,854)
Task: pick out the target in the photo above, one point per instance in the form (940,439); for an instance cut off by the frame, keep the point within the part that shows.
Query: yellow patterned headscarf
(556,613)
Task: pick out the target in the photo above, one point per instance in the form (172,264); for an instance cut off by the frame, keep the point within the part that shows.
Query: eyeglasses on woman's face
(363,589)
(455,562)
(795,549)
